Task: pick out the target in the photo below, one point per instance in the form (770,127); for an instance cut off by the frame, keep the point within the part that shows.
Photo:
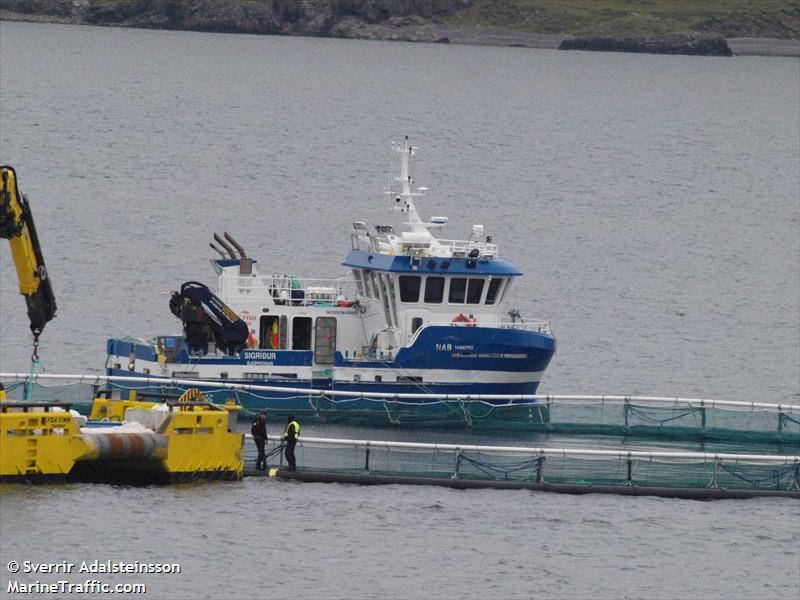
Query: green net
(677,421)
(597,470)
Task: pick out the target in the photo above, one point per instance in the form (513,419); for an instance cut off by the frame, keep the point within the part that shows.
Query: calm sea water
(653,203)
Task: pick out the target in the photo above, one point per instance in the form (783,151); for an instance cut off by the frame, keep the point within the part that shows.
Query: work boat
(415,314)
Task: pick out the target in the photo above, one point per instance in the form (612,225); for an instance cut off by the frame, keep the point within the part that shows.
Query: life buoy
(344,303)
(462,318)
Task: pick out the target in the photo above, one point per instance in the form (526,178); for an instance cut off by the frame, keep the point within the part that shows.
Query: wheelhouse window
(434,290)
(494,288)
(458,290)
(409,288)
(463,290)
(474,291)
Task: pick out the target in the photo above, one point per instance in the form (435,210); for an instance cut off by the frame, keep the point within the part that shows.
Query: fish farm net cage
(634,416)
(554,466)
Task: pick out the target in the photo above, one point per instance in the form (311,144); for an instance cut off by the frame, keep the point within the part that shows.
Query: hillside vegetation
(637,18)
(426,20)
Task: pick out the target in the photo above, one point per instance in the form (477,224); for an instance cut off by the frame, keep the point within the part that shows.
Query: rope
(35,363)
(749,476)
(467,416)
(639,412)
(392,420)
(276,450)
(789,418)
(492,469)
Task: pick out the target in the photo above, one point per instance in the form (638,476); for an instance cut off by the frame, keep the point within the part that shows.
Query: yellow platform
(159,442)
(36,442)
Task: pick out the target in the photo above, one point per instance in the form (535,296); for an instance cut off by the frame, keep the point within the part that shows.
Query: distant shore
(425,31)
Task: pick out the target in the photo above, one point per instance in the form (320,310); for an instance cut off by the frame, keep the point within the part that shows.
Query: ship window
(458,290)
(388,299)
(409,288)
(375,287)
(416,323)
(367,284)
(392,298)
(253,375)
(494,287)
(504,291)
(269,336)
(359,285)
(301,333)
(474,291)
(325,340)
(434,290)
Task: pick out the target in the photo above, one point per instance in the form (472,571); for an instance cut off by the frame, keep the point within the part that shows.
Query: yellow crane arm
(16,225)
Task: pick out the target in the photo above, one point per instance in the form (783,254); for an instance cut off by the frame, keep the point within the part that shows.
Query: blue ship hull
(462,411)
(455,364)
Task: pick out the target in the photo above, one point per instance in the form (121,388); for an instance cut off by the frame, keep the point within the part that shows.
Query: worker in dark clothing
(290,435)
(259,431)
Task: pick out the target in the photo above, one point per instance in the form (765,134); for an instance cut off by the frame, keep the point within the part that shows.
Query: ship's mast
(406,181)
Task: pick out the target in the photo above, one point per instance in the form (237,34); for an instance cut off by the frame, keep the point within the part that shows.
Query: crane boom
(16,225)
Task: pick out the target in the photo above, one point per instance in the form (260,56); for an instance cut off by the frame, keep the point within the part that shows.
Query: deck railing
(462,248)
(287,289)
(457,248)
(539,326)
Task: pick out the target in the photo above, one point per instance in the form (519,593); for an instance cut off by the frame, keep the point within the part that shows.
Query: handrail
(487,249)
(398,397)
(298,291)
(538,326)
(781,459)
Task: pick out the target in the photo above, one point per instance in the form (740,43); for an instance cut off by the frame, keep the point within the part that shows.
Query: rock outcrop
(667,44)
(373,19)
(50,8)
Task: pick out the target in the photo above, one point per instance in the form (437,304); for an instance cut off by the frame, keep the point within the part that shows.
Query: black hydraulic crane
(205,318)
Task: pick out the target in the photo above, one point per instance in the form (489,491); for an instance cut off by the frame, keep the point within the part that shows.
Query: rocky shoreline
(395,20)
(667,44)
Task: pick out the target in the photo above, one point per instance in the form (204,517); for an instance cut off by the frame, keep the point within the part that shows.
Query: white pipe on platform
(705,457)
(545,398)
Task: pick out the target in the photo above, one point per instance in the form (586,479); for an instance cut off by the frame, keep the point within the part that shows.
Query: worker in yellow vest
(290,435)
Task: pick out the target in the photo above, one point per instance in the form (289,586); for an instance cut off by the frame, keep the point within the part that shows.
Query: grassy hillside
(638,18)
